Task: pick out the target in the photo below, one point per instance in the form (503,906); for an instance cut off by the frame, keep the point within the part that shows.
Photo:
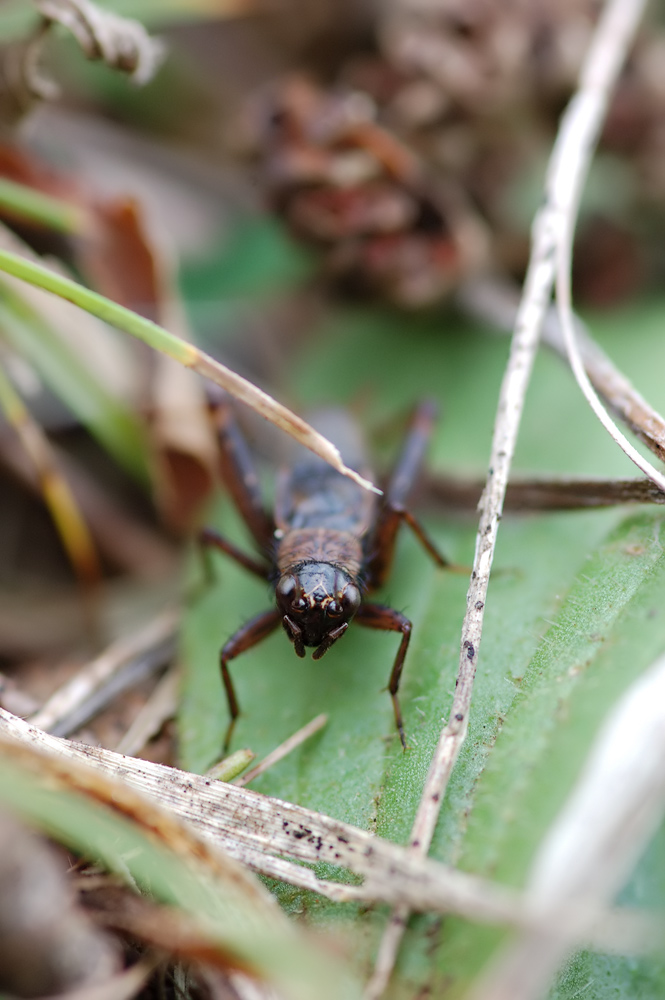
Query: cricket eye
(289,592)
(286,588)
(351,599)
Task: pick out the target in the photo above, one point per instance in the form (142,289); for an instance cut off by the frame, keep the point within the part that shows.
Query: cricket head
(317,600)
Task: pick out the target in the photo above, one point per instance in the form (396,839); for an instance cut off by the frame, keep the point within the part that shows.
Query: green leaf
(256,259)
(574,614)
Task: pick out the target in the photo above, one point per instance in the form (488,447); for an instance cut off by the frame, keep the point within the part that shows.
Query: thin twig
(158,709)
(571,157)
(541,494)
(572,153)
(283,750)
(496,302)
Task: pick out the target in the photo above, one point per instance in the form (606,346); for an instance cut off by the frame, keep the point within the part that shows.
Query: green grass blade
(239,920)
(107,418)
(44,209)
(180,350)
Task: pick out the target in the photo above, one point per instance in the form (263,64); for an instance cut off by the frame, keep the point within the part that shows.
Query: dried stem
(572,153)
(541,494)
(571,157)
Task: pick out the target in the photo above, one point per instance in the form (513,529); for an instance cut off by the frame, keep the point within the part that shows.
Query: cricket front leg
(386,619)
(248,635)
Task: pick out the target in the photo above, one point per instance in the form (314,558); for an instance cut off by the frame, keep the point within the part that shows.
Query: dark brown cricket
(329,545)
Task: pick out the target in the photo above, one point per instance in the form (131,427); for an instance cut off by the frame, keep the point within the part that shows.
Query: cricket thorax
(319,545)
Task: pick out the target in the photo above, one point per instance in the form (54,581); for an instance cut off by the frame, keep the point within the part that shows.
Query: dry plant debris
(263,833)
(399,178)
(47,943)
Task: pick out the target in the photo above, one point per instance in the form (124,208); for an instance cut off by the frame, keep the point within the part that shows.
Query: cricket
(329,545)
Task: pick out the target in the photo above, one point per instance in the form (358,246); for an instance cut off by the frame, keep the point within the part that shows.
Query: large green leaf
(574,615)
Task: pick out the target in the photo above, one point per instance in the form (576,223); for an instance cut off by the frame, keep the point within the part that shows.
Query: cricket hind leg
(240,478)
(239,475)
(386,619)
(247,636)
(394,510)
(209,538)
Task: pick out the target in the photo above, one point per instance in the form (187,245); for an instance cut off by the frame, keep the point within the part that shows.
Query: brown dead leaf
(136,268)
(134,264)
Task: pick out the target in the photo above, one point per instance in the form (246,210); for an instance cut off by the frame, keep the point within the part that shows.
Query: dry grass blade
(188,355)
(67,700)
(609,45)
(125,542)
(255,829)
(57,494)
(594,843)
(158,709)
